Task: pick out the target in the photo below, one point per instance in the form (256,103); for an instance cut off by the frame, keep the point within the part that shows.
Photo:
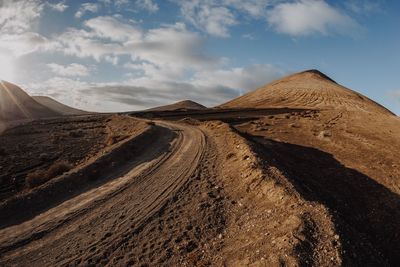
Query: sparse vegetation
(39,177)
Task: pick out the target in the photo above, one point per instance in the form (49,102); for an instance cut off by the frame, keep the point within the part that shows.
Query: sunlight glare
(7,68)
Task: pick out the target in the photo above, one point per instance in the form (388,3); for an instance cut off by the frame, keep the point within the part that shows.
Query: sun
(7,68)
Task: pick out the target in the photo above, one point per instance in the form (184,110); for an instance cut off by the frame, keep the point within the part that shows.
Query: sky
(127,55)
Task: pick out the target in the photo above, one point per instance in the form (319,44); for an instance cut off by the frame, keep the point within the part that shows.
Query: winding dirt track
(97,222)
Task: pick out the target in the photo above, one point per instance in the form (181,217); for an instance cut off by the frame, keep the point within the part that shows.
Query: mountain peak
(317,74)
(180,105)
(310,89)
(16,104)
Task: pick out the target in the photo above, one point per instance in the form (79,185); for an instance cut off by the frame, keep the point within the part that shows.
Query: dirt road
(88,228)
(259,192)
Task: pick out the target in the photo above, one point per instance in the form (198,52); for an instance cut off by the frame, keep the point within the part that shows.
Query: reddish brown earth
(308,89)
(309,178)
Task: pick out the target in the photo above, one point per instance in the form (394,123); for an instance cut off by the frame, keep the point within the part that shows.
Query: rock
(325,134)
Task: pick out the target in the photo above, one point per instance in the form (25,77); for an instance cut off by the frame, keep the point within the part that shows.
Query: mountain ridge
(180,105)
(307,89)
(16,104)
(58,106)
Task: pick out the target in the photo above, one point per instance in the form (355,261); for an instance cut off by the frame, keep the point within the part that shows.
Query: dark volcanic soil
(40,144)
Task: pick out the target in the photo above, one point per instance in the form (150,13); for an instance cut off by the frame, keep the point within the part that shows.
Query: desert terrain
(300,172)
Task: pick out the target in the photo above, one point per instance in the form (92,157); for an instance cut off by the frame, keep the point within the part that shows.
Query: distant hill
(57,106)
(181,105)
(15,104)
(308,89)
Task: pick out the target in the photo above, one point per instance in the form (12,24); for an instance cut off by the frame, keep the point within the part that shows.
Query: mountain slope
(57,106)
(309,89)
(181,105)
(15,104)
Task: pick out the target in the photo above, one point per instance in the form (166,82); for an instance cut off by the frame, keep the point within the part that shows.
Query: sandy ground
(346,161)
(117,209)
(301,172)
(277,187)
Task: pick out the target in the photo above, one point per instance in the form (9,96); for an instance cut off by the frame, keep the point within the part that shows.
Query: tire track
(108,214)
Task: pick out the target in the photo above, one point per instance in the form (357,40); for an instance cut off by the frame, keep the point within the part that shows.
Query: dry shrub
(39,177)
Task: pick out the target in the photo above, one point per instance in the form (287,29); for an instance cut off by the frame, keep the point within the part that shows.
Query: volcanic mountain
(309,89)
(181,105)
(57,106)
(15,104)
(341,151)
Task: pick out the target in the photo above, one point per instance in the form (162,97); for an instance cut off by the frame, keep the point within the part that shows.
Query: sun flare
(7,68)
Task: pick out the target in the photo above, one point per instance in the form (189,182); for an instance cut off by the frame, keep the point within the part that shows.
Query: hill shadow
(365,213)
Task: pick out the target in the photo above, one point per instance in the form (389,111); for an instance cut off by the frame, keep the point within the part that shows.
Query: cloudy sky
(133,54)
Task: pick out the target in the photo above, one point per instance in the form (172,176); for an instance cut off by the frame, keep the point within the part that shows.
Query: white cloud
(167,64)
(249,36)
(364,7)
(18,19)
(293,17)
(133,5)
(60,7)
(168,47)
(242,79)
(119,2)
(65,90)
(171,45)
(209,16)
(87,7)
(113,29)
(71,70)
(206,87)
(148,5)
(55,86)
(306,17)
(255,8)
(23,43)
(216,17)
(19,16)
